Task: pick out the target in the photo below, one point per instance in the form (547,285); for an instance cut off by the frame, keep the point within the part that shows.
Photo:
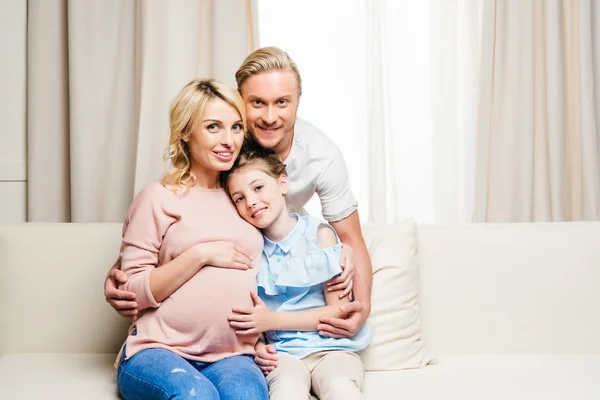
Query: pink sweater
(192,322)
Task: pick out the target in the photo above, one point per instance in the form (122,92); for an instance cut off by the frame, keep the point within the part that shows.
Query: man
(271,86)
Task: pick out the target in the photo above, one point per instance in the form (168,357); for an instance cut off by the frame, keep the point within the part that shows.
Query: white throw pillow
(395,319)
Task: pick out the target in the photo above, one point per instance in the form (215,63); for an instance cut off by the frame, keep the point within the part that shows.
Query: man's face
(271,100)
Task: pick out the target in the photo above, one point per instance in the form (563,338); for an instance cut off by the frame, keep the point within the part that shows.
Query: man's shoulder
(308,136)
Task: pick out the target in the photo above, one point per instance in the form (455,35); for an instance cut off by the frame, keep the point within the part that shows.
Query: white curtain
(488,115)
(457,110)
(101,74)
(366,77)
(422,83)
(538,151)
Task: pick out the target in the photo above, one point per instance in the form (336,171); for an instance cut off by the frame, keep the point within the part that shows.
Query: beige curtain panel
(538,131)
(101,74)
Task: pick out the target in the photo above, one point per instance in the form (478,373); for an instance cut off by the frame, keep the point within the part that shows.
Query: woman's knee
(197,390)
(160,374)
(183,386)
(238,378)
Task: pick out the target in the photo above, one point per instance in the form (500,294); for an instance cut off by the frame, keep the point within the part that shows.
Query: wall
(13,144)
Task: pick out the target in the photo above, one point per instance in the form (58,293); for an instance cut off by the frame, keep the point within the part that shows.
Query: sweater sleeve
(145,226)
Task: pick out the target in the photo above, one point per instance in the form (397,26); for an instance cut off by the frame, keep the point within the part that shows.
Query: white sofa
(510,311)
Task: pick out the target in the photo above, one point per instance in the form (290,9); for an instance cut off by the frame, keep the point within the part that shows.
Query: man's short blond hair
(266,59)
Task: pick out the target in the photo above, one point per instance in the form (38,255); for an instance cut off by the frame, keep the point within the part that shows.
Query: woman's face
(258,197)
(216,139)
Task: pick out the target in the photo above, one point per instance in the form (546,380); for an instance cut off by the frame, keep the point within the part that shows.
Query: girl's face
(258,197)
(216,139)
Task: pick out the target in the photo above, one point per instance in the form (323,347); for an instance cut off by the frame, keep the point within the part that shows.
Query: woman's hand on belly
(223,254)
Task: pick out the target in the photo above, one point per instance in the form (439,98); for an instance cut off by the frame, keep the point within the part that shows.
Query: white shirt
(315,165)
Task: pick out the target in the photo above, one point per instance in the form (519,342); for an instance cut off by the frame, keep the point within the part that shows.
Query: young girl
(300,255)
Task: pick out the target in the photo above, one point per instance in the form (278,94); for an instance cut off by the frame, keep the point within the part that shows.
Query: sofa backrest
(507,288)
(511,288)
(51,288)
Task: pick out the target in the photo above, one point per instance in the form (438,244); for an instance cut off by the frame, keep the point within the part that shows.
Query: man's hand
(122,301)
(345,280)
(251,321)
(345,328)
(266,358)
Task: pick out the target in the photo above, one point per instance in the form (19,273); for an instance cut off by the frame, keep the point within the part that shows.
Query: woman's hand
(344,281)
(266,358)
(223,254)
(251,321)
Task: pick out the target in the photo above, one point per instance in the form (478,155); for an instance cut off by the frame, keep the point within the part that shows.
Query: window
(326,40)
(333,45)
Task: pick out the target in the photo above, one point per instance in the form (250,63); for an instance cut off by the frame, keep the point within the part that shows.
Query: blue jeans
(162,374)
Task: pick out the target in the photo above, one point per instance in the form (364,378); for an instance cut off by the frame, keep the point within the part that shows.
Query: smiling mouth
(225,155)
(269,130)
(258,213)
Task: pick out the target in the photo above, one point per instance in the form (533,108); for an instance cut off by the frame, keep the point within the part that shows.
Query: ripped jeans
(162,374)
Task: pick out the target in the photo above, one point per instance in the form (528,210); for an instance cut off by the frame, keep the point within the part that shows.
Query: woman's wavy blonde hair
(185,109)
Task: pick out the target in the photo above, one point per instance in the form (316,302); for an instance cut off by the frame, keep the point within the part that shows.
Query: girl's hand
(224,254)
(266,358)
(345,280)
(251,321)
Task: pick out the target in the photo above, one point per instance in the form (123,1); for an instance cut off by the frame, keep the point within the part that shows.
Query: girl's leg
(338,375)
(237,378)
(157,374)
(290,380)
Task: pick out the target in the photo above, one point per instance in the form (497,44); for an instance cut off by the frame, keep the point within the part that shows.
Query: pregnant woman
(189,258)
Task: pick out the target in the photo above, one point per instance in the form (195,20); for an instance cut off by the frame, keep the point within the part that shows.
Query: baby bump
(200,307)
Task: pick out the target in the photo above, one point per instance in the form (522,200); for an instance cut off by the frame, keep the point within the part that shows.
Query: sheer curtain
(383,79)
(101,74)
(328,46)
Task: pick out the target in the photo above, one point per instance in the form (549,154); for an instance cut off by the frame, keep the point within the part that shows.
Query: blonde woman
(189,258)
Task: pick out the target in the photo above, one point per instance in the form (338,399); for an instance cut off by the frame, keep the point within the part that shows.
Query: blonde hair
(266,59)
(185,109)
(253,154)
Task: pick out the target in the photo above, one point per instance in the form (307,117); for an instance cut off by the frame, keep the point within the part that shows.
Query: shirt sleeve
(145,226)
(333,188)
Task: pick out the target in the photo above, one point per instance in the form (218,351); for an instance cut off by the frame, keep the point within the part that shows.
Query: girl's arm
(249,321)
(307,320)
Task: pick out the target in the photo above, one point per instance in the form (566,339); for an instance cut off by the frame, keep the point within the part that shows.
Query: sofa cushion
(395,318)
(492,378)
(58,376)
(92,377)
